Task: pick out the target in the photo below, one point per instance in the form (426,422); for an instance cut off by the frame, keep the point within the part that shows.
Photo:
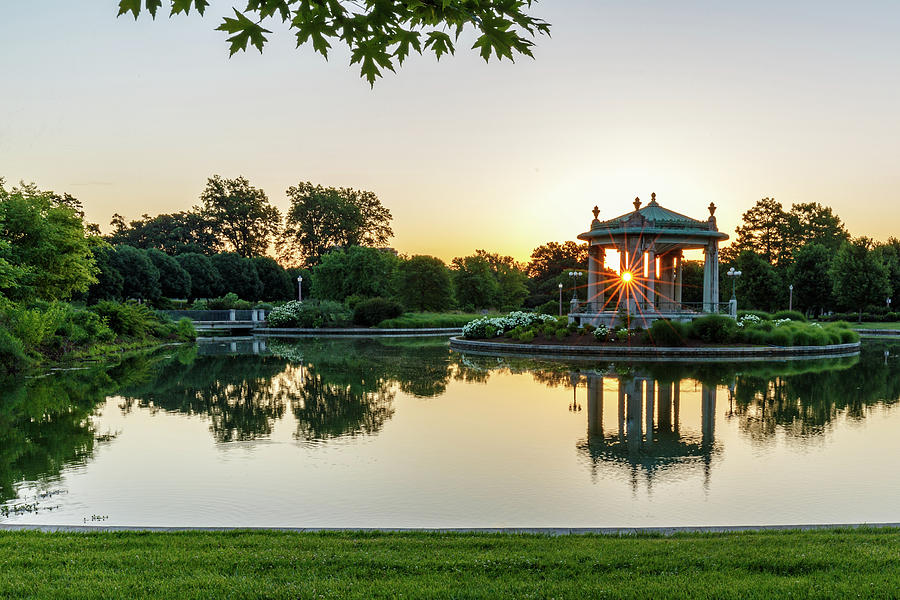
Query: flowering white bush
(496,326)
(601,333)
(780,322)
(748,320)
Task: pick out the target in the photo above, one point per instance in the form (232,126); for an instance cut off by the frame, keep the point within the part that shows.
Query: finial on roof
(637,203)
(712,209)
(653,199)
(596,212)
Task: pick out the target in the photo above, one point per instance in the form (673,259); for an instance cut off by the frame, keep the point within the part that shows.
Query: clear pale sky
(696,101)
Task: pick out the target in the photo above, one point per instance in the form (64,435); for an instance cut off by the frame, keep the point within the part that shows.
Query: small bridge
(222,320)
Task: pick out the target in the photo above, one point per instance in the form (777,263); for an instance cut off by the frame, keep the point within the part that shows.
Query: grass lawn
(816,564)
(864,325)
(420,320)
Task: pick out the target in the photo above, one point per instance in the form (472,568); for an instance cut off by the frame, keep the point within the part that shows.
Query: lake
(404,432)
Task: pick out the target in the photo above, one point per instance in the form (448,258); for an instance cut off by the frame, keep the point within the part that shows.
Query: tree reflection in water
(799,398)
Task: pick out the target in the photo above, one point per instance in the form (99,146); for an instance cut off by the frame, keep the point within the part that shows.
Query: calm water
(388,433)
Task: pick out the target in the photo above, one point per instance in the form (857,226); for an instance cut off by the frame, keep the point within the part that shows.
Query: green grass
(422,320)
(818,564)
(866,325)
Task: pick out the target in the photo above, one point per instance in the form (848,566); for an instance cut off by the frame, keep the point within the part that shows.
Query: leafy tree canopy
(380,34)
(277,284)
(176,233)
(140,277)
(858,275)
(423,283)
(174,281)
(356,271)
(205,279)
(811,222)
(45,252)
(809,276)
(241,214)
(486,280)
(322,218)
(238,275)
(759,285)
(765,231)
(551,259)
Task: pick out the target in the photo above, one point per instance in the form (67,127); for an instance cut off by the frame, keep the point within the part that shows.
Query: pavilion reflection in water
(647,437)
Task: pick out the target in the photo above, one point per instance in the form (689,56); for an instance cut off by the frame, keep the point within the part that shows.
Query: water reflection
(634,414)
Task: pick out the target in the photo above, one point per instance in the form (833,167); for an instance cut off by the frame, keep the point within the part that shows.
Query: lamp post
(575,275)
(889,304)
(734,275)
(560,299)
(299,288)
(791,297)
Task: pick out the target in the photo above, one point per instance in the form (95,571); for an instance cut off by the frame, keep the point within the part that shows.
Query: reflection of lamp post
(560,299)
(791,297)
(734,275)
(574,378)
(300,288)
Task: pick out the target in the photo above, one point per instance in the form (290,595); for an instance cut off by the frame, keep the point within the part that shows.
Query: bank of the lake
(825,563)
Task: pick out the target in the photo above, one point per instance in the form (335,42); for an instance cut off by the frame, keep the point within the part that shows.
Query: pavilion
(648,286)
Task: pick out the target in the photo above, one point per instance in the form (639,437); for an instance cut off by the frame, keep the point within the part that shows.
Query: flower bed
(713,330)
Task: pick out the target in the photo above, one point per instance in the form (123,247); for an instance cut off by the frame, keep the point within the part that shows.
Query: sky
(696,101)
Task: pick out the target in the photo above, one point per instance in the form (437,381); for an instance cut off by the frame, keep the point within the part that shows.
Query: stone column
(711,278)
(666,282)
(651,278)
(665,408)
(678,278)
(596,260)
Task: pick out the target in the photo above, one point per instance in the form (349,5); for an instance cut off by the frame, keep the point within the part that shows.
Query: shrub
(375,310)
(780,336)
(714,329)
(200,305)
(763,316)
(526,336)
(226,302)
(127,319)
(309,314)
(668,333)
(81,327)
(587,328)
(601,333)
(551,307)
(478,328)
(184,329)
(33,326)
(793,315)
(622,334)
(12,353)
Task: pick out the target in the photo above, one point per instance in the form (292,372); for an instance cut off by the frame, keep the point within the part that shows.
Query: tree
(423,283)
(379,35)
(205,279)
(322,218)
(692,281)
(174,233)
(241,214)
(474,282)
(277,284)
(140,278)
(174,281)
(759,285)
(511,279)
(238,275)
(765,231)
(811,222)
(109,280)
(44,250)
(889,252)
(356,271)
(858,276)
(810,278)
(548,267)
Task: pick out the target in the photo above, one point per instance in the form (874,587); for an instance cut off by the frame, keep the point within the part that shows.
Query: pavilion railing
(650,308)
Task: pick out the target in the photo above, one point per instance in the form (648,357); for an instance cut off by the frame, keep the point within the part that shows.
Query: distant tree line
(808,247)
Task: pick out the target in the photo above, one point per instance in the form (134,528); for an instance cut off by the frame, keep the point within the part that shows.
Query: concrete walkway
(494,530)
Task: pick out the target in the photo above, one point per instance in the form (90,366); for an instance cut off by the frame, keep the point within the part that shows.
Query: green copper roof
(667,226)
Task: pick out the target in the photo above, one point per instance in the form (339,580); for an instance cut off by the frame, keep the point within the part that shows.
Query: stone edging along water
(746,352)
(551,531)
(354,332)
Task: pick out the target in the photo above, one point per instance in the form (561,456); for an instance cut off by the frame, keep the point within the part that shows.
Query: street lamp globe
(300,288)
